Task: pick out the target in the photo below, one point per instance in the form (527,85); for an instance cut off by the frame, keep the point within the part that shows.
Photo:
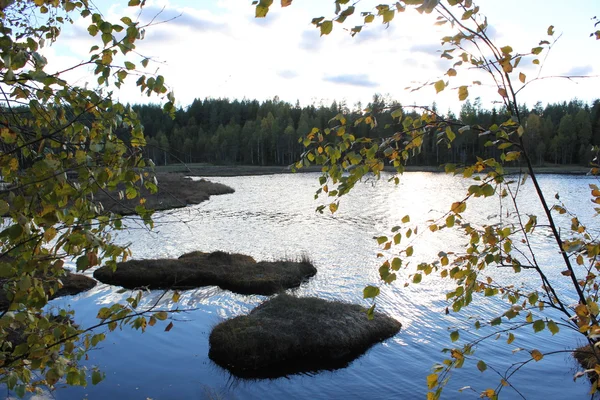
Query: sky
(217,49)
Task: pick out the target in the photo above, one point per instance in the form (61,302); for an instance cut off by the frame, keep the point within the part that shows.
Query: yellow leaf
(536,355)
(522,77)
(285,3)
(49,234)
(439,86)
(458,207)
(463,93)
(333,207)
(457,354)
(177,295)
(502,92)
(432,380)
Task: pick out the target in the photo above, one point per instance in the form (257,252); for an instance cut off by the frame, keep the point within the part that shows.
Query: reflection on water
(270,217)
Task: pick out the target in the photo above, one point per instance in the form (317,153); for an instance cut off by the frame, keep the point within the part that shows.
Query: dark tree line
(222,131)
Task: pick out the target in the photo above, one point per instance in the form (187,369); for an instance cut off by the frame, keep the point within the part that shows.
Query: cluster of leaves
(346,159)
(60,144)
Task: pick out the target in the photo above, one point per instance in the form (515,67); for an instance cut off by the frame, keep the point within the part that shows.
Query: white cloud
(218,49)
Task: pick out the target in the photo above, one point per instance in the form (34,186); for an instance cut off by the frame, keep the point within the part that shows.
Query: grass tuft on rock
(236,272)
(586,357)
(287,335)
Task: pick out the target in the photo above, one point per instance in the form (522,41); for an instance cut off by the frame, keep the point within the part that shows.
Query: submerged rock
(236,272)
(287,335)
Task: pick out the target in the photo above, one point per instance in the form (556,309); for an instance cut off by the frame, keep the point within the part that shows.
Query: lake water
(270,217)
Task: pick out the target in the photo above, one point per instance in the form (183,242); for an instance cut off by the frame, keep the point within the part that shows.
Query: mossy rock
(287,335)
(236,272)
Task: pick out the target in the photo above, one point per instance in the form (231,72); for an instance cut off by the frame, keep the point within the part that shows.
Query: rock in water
(288,334)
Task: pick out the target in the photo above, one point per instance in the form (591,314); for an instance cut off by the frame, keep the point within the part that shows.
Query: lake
(271,217)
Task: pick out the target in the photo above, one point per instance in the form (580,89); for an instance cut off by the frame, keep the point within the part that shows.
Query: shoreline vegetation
(288,335)
(235,272)
(211,170)
(72,284)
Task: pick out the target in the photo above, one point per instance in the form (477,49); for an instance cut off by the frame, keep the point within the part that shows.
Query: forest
(248,132)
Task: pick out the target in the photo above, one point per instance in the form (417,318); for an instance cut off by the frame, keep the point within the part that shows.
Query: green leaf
(481,365)
(552,327)
(537,50)
(397,113)
(82,263)
(450,134)
(326,27)
(388,16)
(454,336)
(538,326)
(97,377)
(4,207)
(161,315)
(370,292)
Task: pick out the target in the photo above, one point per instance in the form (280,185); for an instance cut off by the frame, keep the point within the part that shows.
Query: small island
(287,335)
(175,190)
(236,272)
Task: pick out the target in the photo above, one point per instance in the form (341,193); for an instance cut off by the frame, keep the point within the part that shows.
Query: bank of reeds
(287,335)
(236,272)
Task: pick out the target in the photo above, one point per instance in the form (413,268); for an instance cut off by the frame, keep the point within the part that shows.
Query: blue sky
(216,48)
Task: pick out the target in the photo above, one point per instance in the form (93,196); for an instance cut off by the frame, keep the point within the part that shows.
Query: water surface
(270,217)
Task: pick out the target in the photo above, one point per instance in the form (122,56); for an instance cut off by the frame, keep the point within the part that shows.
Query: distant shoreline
(209,170)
